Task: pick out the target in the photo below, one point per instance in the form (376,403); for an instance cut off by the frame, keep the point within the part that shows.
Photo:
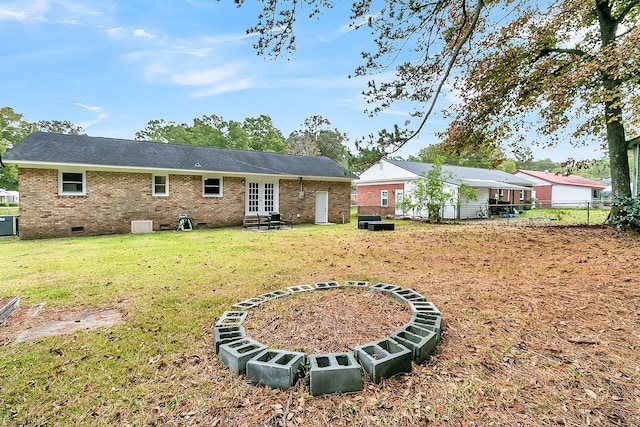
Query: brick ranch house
(76,185)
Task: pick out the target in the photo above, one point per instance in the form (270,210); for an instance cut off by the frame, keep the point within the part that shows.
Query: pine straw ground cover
(541,326)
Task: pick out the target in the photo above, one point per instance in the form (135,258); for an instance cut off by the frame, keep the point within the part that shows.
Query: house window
(500,193)
(72,183)
(212,187)
(521,194)
(384,198)
(160,185)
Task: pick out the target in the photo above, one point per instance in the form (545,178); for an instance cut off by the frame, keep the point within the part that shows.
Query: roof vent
(197,165)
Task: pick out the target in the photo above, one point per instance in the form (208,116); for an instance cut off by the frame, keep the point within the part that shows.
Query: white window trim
(166,186)
(61,192)
(382,200)
(212,177)
(522,193)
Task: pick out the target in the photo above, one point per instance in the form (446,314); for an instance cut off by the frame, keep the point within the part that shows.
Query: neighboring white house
(559,190)
(9,196)
(382,187)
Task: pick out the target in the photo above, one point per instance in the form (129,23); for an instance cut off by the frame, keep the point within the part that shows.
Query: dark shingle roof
(60,149)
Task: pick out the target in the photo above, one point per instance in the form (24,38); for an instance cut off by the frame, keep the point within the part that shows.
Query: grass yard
(541,325)
(5,210)
(567,215)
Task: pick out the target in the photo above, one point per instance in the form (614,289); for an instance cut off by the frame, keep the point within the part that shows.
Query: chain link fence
(575,212)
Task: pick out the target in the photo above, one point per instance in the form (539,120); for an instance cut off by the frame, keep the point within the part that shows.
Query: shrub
(629,212)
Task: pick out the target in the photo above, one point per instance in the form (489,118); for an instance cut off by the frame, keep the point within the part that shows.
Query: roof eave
(149,169)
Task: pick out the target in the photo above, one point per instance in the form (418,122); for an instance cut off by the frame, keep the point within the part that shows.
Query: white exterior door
(322,207)
(398,202)
(262,197)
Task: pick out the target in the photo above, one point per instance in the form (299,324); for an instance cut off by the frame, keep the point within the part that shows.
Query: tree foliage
(317,138)
(486,159)
(258,134)
(430,192)
(575,62)
(13,128)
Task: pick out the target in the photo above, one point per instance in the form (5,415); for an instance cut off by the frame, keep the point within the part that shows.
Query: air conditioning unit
(142,226)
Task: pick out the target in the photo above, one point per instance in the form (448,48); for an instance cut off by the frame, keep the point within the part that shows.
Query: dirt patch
(37,321)
(328,321)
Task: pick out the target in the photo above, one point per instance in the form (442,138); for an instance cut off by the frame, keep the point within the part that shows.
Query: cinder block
(432,322)
(357,284)
(232,318)
(275,368)
(326,285)
(422,342)
(273,295)
(225,334)
(424,307)
(384,358)
(236,354)
(300,288)
(8,308)
(248,303)
(334,373)
(384,287)
(408,295)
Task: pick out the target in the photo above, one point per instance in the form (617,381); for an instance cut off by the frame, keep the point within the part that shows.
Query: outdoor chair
(287,221)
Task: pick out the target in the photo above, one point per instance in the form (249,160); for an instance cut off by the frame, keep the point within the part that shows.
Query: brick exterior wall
(369,199)
(339,200)
(114,199)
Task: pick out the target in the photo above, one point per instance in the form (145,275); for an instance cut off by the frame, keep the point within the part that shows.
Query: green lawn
(4,210)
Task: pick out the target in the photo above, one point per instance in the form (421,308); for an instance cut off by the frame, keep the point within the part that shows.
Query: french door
(262,197)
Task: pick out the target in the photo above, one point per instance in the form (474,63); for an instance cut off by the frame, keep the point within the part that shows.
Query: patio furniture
(380,225)
(274,220)
(363,220)
(287,221)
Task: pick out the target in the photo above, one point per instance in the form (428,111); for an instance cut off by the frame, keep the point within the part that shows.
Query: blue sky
(110,66)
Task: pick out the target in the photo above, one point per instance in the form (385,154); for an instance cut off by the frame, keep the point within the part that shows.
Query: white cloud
(67,12)
(24,10)
(143,33)
(87,107)
(115,31)
(225,87)
(86,124)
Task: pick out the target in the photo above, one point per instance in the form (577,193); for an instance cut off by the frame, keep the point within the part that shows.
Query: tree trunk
(612,88)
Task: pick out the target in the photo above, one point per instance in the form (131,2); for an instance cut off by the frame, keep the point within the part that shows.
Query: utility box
(144,226)
(8,225)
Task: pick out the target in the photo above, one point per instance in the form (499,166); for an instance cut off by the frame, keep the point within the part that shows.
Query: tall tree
(576,66)
(318,138)
(263,135)
(577,59)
